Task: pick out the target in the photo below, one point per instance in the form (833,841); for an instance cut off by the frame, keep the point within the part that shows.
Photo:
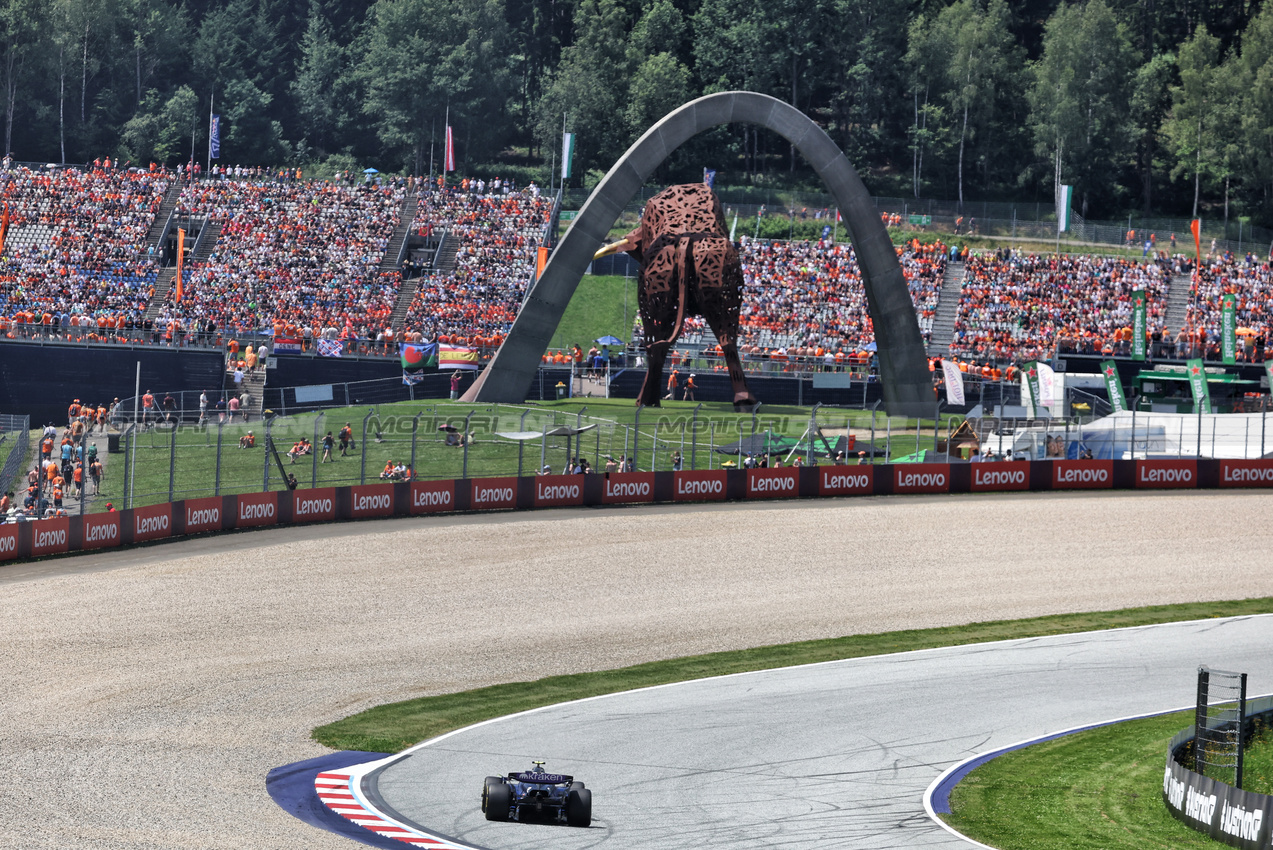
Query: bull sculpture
(688,266)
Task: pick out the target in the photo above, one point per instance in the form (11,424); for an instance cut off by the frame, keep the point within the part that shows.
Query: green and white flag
(1198,384)
(1138,324)
(1064,196)
(567,154)
(1229,328)
(1113,386)
(1030,386)
(1268,371)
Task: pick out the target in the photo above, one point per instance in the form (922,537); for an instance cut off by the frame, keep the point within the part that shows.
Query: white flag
(954,382)
(1047,386)
(567,154)
(1064,197)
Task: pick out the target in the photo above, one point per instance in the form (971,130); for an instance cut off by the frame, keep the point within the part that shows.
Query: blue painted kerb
(292,787)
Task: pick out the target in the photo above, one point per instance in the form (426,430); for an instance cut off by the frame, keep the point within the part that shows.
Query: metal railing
(14,446)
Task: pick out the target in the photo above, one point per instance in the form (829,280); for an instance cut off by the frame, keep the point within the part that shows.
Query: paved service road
(832,755)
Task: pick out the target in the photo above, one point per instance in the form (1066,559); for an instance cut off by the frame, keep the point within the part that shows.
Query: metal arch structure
(907,382)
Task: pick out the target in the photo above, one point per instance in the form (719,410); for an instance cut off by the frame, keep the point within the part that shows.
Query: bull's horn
(613,248)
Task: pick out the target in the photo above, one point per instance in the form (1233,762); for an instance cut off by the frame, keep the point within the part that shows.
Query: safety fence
(60,535)
(14,446)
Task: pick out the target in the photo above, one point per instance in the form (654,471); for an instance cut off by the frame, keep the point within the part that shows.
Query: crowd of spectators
(299,252)
(75,261)
(1250,280)
(1018,307)
(496,235)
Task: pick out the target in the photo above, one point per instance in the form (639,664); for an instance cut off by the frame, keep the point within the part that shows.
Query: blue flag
(214,137)
(826,231)
(709,177)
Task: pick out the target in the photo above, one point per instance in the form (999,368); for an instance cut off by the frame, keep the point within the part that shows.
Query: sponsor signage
(314,505)
(372,500)
(101,530)
(8,541)
(489,494)
(921,478)
(705,486)
(773,483)
(846,480)
(557,490)
(256,509)
(49,536)
(1236,817)
(628,487)
(1246,473)
(431,497)
(204,514)
(995,477)
(1166,474)
(1082,474)
(155,521)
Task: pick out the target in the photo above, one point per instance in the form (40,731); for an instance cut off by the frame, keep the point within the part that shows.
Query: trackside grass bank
(396,726)
(1095,790)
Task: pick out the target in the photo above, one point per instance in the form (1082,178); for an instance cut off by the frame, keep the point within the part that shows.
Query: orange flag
(181,249)
(4,226)
(1196,227)
(540,261)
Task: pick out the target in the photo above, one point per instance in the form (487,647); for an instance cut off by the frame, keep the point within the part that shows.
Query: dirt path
(148,692)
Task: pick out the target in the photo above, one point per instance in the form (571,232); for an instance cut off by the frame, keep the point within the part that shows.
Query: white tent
(1127,435)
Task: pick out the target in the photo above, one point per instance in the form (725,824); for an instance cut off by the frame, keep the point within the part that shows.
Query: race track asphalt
(146,693)
(830,755)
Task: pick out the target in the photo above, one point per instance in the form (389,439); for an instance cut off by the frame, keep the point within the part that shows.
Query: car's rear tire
(497,801)
(578,807)
(577,786)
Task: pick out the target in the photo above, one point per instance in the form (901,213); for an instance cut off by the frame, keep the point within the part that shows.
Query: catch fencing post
(694,441)
(172,459)
(636,438)
(936,424)
(216,487)
(128,468)
(1133,442)
(362,474)
(813,427)
(1198,405)
(415,424)
(521,444)
(465,438)
(543,446)
(874,407)
(269,444)
(654,447)
(313,479)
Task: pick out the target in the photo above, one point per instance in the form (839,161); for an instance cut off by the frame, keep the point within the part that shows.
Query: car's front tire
(497,800)
(578,806)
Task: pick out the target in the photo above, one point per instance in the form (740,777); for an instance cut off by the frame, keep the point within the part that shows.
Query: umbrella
(609,340)
(370,171)
(1245,332)
(870,346)
(759,444)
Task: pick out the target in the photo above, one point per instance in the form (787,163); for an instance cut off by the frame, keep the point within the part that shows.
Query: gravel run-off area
(146,693)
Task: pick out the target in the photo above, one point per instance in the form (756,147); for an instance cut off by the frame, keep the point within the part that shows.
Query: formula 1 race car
(534,795)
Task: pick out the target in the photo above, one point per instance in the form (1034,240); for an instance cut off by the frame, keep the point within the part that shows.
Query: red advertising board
(773,483)
(8,541)
(50,536)
(101,530)
(1082,474)
(314,505)
(371,500)
(705,486)
(622,487)
(431,497)
(846,480)
(204,515)
(256,509)
(155,522)
(997,476)
(1166,474)
(489,494)
(553,491)
(921,478)
(1246,473)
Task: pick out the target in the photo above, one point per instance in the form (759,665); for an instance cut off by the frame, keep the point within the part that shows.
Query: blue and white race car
(534,795)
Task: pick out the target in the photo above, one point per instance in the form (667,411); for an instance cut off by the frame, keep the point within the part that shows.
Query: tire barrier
(61,535)
(1236,817)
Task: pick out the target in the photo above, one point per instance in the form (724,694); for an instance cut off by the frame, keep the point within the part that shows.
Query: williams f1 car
(534,795)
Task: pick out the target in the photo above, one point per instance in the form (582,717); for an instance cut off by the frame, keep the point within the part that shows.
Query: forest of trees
(1152,106)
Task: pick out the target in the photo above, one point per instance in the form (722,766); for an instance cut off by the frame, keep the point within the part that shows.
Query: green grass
(1095,790)
(1257,765)
(596,310)
(663,431)
(395,726)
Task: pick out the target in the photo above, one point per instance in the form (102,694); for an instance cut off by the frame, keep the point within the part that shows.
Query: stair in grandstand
(254,385)
(1177,305)
(207,240)
(406,294)
(393,251)
(163,283)
(943,328)
(444,263)
(161,217)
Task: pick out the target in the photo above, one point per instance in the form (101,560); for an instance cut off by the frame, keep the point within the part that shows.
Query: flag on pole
(181,250)
(330,348)
(733,228)
(1064,196)
(454,357)
(567,155)
(214,137)
(1138,324)
(1030,386)
(709,178)
(1229,328)
(4,225)
(1268,371)
(1195,227)
(1047,386)
(1113,386)
(1198,384)
(450,149)
(416,360)
(954,382)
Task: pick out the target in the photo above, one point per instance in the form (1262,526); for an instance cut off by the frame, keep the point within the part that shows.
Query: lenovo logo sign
(8,541)
(314,505)
(430,497)
(558,490)
(773,483)
(1082,474)
(371,500)
(999,476)
(621,487)
(921,478)
(491,494)
(203,515)
(1246,473)
(256,510)
(1161,474)
(154,522)
(698,486)
(846,480)
(49,536)
(101,530)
